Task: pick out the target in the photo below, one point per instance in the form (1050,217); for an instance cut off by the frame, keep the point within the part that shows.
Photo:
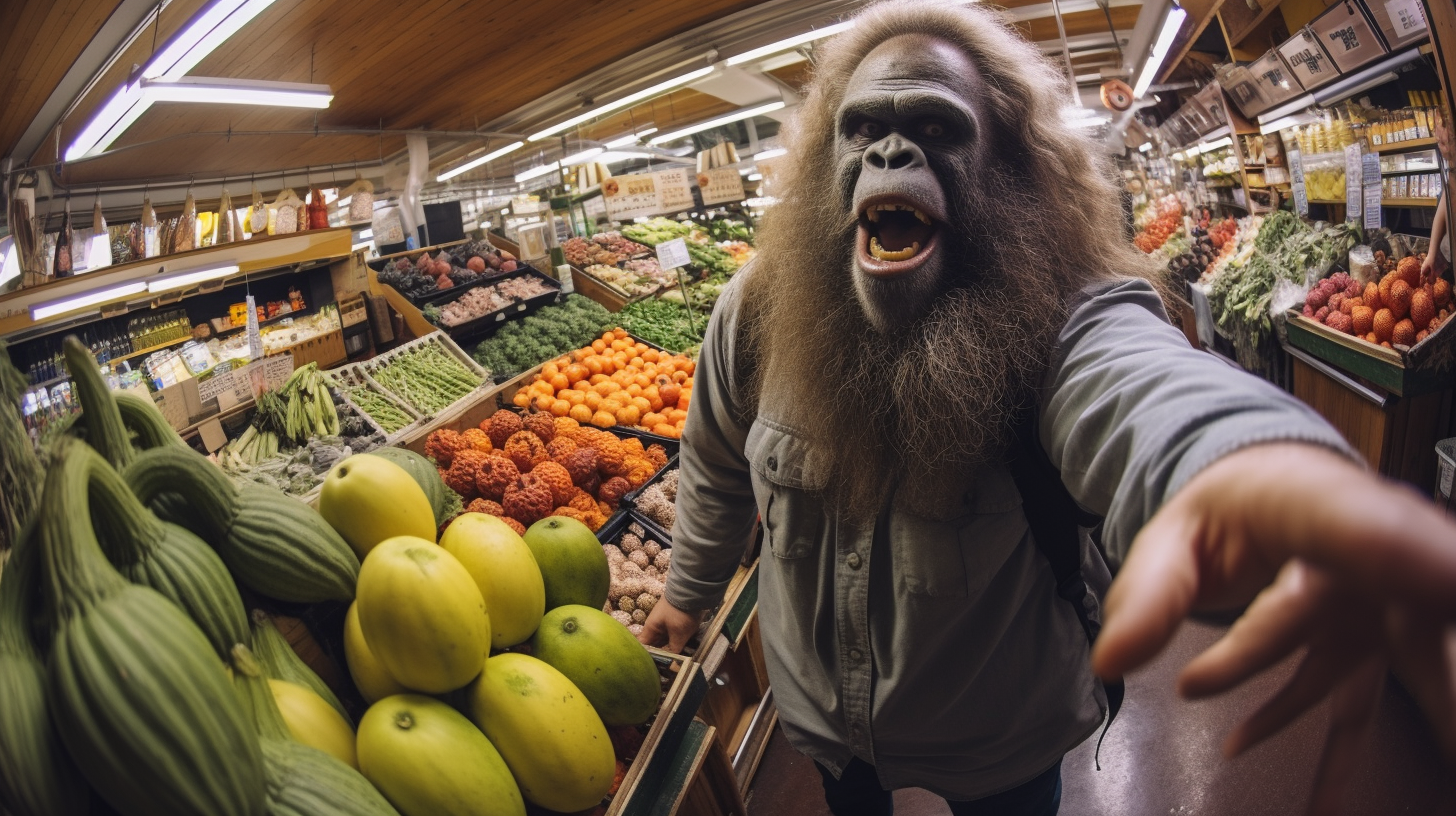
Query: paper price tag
(674,191)
(720,185)
(277,369)
(255,337)
(673,254)
(1354,190)
(1406,16)
(1296,173)
(1370,173)
(213,387)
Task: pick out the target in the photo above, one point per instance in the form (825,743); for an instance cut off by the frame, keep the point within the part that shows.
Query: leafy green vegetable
(554,330)
(665,323)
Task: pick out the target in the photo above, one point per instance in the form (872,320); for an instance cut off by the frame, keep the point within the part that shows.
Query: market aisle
(1161,757)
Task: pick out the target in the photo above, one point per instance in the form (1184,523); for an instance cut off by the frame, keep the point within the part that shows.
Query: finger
(1321,670)
(1152,593)
(1355,703)
(1274,625)
(653,633)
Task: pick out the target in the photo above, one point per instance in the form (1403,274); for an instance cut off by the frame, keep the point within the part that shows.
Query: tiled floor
(1161,758)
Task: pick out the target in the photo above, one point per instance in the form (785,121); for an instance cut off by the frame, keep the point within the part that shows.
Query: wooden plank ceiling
(443,65)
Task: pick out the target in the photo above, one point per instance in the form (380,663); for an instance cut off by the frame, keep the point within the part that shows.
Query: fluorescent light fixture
(190,46)
(80,302)
(1145,147)
(578,158)
(619,156)
(722,120)
(791,42)
(1212,146)
(1363,80)
(770,154)
(645,93)
(1154,62)
(185,279)
(474,163)
(755,176)
(238,92)
(537,172)
(630,139)
(1283,122)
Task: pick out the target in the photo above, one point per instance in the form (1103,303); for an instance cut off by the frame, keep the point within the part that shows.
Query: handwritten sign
(1346,34)
(255,338)
(673,254)
(1307,61)
(1354,190)
(720,185)
(674,191)
(1272,79)
(1406,16)
(629,197)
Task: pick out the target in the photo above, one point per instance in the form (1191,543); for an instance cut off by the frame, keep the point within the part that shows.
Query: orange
(580,413)
(560,382)
(685,401)
(634,390)
(581,385)
(549,370)
(677,416)
(602,419)
(642,405)
(637,363)
(680,376)
(628,415)
(689,366)
(576,371)
(581,354)
(544,402)
(669,431)
(521,399)
(650,355)
(574,397)
(619,333)
(594,365)
(560,408)
(593,400)
(653,419)
(611,406)
(639,347)
(598,379)
(605,387)
(599,346)
(670,393)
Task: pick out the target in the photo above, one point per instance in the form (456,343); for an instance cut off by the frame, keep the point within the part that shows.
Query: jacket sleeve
(715,505)
(1132,412)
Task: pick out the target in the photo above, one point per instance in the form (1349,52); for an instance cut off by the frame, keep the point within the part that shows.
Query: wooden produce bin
(652,771)
(327,350)
(740,702)
(700,780)
(599,291)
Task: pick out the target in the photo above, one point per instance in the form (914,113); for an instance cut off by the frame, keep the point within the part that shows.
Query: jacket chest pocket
(960,556)
(785,485)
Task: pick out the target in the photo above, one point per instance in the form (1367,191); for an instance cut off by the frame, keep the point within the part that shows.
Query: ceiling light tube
(95,298)
(238,92)
(185,279)
(755,177)
(1211,146)
(712,123)
(112,111)
(1145,147)
(791,42)
(537,172)
(770,154)
(474,163)
(645,93)
(619,156)
(1154,62)
(578,158)
(630,139)
(1292,106)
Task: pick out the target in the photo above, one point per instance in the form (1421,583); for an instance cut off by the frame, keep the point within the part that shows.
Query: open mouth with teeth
(894,237)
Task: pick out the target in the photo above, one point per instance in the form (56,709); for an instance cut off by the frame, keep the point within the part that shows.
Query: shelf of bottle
(150,349)
(1408,144)
(1408,202)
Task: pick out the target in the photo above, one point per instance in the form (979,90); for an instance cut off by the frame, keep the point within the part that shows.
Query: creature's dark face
(911,123)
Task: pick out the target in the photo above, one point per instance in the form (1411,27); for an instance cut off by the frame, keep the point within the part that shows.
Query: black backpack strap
(1055,520)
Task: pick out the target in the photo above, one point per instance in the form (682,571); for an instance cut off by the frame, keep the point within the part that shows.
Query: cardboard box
(1348,36)
(1273,78)
(180,404)
(1307,61)
(1401,22)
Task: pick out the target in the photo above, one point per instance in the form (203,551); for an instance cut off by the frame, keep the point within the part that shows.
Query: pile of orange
(615,381)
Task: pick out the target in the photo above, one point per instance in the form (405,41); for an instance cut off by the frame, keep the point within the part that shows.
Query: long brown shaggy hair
(923,406)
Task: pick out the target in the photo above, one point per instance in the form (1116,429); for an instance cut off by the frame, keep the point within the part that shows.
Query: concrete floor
(1162,757)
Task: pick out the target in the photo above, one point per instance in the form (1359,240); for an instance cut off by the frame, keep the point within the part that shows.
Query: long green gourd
(143,705)
(300,781)
(144,420)
(99,415)
(20,470)
(280,662)
(169,559)
(37,776)
(274,544)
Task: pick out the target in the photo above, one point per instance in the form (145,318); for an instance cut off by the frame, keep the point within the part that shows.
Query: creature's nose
(894,152)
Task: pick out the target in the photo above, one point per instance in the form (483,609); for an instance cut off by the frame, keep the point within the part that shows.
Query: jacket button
(773,463)
(854,654)
(853,561)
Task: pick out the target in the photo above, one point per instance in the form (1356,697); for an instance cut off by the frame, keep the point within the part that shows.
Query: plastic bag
(151,244)
(1362,265)
(184,239)
(98,242)
(318,211)
(286,207)
(258,215)
(361,200)
(388,229)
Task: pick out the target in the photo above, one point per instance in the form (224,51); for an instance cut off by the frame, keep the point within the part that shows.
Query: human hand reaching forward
(1357,571)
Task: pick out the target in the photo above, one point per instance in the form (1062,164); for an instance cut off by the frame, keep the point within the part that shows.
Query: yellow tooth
(873,214)
(922,216)
(883,254)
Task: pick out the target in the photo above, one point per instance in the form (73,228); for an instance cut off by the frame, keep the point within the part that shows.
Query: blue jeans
(857,792)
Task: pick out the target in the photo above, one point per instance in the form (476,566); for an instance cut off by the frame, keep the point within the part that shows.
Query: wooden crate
(589,286)
(652,770)
(1403,373)
(740,702)
(326,350)
(699,781)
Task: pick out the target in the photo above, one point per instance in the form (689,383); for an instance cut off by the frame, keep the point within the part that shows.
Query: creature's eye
(870,129)
(934,129)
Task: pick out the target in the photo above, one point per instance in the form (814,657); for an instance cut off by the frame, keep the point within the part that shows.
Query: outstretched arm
(1221,491)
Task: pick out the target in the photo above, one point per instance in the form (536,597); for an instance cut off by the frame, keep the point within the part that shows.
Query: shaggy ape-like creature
(944,276)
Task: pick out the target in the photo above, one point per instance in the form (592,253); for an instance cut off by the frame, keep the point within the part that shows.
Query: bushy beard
(920,406)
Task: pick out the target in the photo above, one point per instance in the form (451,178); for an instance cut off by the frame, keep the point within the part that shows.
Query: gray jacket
(938,651)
